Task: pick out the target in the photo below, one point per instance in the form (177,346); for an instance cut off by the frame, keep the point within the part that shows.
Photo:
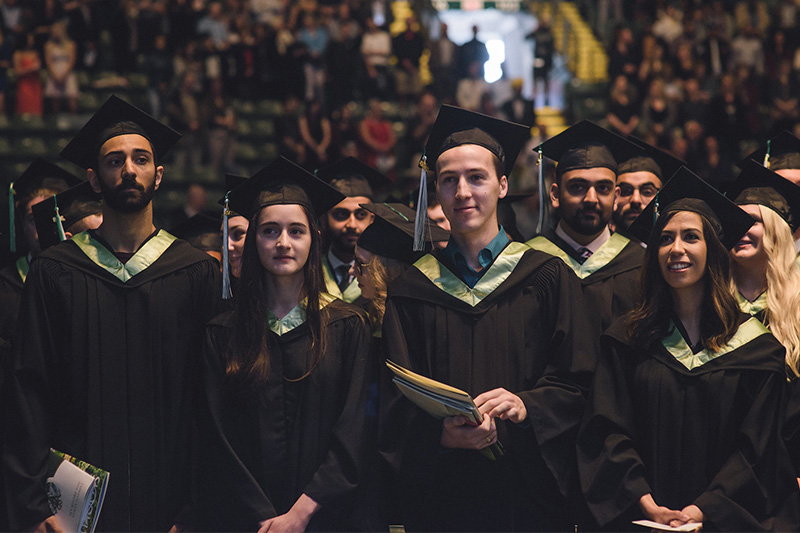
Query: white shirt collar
(593,246)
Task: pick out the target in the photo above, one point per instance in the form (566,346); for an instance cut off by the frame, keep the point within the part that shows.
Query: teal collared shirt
(485,257)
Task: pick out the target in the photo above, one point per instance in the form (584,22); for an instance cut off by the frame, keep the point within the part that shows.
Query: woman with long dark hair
(284,380)
(687,402)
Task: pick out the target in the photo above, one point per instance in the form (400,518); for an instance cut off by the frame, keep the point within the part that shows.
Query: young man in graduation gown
(42,179)
(343,224)
(107,352)
(606,264)
(495,319)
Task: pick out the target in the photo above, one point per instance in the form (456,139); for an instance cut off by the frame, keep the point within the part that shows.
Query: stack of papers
(655,526)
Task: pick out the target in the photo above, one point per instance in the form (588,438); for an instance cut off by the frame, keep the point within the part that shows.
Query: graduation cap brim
(201,231)
(232,181)
(782,145)
(352,177)
(84,147)
(455,127)
(392,232)
(667,163)
(587,145)
(42,172)
(685,184)
(755,178)
(74,204)
(283,182)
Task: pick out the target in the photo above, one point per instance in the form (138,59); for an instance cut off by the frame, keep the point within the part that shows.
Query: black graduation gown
(610,291)
(708,436)
(258,455)
(10,294)
(522,336)
(104,371)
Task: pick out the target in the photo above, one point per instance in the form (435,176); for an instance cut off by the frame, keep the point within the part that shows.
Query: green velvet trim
(752,308)
(105,259)
(22,267)
(351,293)
(296,317)
(610,249)
(497,273)
(677,346)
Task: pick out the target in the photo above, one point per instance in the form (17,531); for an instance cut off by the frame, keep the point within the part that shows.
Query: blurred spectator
(622,57)
(715,167)
(221,132)
(778,50)
(241,74)
(84,29)
(487,107)
(544,48)
(344,62)
(623,113)
(344,132)
(160,72)
(196,204)
(753,14)
(715,51)
(727,117)
(315,130)
(421,124)
(376,47)
(315,39)
(11,16)
(288,131)
(472,51)
(408,47)
(750,95)
(694,104)
(694,133)
(443,62)
(59,58)
(684,62)
(215,25)
(27,71)
(783,98)
(377,139)
(653,61)
(668,25)
(125,36)
(183,111)
(182,18)
(470,89)
(747,50)
(519,109)
(5,66)
(658,113)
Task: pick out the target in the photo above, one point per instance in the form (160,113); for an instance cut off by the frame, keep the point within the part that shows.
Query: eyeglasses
(360,268)
(646,191)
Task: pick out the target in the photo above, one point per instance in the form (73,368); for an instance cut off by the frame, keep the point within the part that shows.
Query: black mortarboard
(685,191)
(587,145)
(232,181)
(283,182)
(70,206)
(781,152)
(117,117)
(351,177)
(392,233)
(760,185)
(653,160)
(455,126)
(201,231)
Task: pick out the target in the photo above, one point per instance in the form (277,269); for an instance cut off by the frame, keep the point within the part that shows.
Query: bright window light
(493,69)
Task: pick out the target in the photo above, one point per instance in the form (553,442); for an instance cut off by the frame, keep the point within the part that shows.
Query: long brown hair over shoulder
(650,321)
(248,357)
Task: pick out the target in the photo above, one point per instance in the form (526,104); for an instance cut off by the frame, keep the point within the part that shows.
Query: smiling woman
(686,408)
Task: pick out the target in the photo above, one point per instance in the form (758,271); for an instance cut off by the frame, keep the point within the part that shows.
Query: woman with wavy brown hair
(687,403)
(284,388)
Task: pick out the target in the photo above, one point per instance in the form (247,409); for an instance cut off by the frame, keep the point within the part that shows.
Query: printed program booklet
(75,491)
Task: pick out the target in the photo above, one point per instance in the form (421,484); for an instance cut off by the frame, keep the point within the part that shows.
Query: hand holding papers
(440,400)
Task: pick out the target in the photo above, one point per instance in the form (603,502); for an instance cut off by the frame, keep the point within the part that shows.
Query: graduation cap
(781,152)
(351,177)
(455,127)
(40,174)
(283,182)
(58,213)
(117,117)
(587,145)
(392,233)
(232,181)
(685,191)
(654,160)
(201,231)
(759,185)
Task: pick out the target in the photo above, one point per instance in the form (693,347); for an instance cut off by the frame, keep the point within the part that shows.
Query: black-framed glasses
(646,191)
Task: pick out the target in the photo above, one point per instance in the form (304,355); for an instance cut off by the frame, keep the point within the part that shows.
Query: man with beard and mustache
(109,331)
(583,196)
(638,181)
(345,222)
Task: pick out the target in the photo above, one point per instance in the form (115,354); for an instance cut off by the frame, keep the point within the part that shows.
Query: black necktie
(343,275)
